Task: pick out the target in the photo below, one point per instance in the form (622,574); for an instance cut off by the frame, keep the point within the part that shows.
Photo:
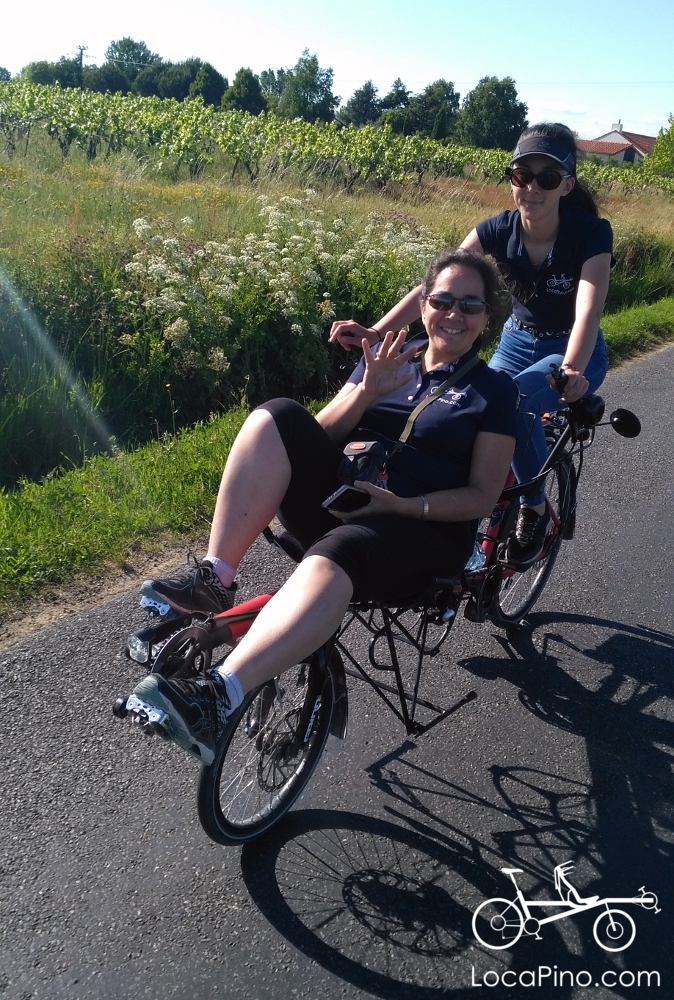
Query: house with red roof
(618,146)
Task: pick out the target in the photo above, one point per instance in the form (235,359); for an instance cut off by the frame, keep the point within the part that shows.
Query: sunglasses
(469,304)
(548,179)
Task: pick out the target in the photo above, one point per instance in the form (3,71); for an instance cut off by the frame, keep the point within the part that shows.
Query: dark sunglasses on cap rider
(469,304)
(547,179)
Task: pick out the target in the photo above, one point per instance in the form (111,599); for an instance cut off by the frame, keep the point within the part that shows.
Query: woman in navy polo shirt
(449,473)
(554,254)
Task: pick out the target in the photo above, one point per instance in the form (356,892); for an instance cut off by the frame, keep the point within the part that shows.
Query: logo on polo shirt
(560,284)
(453,398)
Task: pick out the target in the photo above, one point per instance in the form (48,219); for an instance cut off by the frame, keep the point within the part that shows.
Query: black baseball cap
(545,145)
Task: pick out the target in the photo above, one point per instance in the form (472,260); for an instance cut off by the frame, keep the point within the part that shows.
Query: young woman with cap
(554,254)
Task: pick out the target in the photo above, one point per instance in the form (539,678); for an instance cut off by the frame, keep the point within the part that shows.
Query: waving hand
(381,370)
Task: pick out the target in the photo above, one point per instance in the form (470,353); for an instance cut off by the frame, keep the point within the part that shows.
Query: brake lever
(559,377)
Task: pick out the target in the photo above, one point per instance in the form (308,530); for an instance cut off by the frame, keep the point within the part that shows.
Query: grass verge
(640,328)
(111,507)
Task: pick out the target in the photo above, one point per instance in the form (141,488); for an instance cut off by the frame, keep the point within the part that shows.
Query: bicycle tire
(497,921)
(616,936)
(519,592)
(260,768)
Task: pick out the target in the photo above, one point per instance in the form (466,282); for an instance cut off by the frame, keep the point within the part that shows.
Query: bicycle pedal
(156,609)
(153,721)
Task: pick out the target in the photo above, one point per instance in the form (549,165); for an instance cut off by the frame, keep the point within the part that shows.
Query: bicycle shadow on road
(612,685)
(371,901)
(387,905)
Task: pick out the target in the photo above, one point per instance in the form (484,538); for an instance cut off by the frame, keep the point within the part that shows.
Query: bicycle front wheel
(520,590)
(498,924)
(614,930)
(267,753)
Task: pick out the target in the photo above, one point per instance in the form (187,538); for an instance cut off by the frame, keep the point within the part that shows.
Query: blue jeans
(528,360)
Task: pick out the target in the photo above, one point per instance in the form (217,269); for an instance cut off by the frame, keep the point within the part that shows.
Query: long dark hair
(579,197)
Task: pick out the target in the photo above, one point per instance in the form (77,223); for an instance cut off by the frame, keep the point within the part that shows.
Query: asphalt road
(109,888)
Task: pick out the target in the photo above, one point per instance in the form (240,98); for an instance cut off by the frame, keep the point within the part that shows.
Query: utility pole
(81,50)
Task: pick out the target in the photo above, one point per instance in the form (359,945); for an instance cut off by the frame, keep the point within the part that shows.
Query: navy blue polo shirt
(545,296)
(438,453)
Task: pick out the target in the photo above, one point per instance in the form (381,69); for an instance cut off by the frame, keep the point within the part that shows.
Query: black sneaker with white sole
(192,711)
(195,589)
(531,533)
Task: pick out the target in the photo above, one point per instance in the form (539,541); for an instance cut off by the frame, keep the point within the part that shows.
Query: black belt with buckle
(544,334)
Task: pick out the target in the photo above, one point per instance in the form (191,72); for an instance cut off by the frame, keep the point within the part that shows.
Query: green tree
(209,85)
(245,94)
(363,108)
(66,72)
(146,83)
(307,91)
(272,82)
(130,56)
(177,78)
(397,97)
(5,75)
(167,79)
(491,116)
(661,160)
(432,113)
(105,79)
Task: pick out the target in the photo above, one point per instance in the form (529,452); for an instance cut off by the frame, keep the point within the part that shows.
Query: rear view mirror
(626,423)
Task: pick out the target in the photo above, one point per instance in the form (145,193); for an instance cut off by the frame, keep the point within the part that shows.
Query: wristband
(424,512)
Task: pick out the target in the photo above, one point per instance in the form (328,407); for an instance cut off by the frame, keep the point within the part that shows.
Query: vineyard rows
(190,133)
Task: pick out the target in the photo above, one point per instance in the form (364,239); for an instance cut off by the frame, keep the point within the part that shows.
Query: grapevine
(189,132)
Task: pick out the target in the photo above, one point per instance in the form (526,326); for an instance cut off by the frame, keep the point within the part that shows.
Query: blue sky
(587,64)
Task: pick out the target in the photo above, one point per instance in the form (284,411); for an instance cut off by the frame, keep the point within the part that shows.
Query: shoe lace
(201,572)
(181,578)
(218,692)
(527,522)
(209,578)
(212,691)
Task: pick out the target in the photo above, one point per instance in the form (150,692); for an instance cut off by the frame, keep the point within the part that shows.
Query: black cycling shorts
(387,558)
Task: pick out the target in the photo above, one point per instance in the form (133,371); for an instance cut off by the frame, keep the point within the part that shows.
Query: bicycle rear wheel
(267,753)
(519,591)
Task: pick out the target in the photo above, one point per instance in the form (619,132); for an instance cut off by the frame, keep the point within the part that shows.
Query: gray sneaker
(191,711)
(195,589)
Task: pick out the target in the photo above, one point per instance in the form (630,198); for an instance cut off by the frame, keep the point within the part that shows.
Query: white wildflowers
(298,273)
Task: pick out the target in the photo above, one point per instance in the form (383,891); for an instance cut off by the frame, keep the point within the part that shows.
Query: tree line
(490,116)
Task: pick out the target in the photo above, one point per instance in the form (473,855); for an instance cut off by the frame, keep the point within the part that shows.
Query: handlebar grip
(560,378)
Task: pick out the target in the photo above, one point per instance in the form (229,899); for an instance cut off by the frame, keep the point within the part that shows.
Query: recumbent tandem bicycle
(270,746)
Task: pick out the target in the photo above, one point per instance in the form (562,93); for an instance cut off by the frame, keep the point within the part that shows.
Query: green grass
(632,331)
(112,506)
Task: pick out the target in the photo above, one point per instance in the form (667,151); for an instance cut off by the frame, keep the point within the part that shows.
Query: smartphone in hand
(346,499)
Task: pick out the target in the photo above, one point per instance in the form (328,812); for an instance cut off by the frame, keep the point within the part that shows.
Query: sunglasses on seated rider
(547,179)
(469,304)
